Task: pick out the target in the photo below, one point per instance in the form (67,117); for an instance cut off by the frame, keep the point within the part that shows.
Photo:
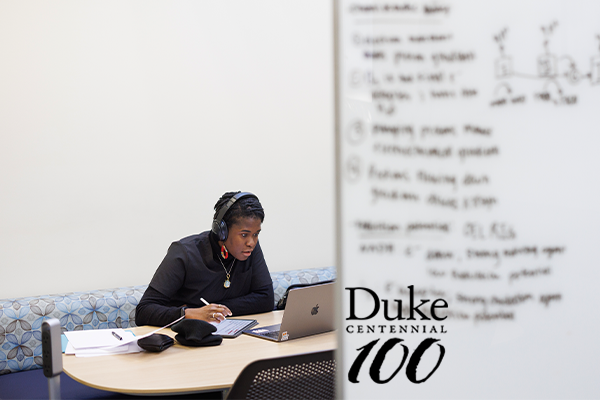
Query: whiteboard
(467,161)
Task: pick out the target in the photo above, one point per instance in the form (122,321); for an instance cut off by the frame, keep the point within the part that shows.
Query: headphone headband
(219,227)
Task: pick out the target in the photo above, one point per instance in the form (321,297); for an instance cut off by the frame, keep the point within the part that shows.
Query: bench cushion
(21,318)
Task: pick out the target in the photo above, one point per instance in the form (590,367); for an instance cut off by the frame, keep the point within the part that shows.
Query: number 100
(411,367)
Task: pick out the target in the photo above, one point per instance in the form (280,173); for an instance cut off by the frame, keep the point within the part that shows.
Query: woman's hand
(209,313)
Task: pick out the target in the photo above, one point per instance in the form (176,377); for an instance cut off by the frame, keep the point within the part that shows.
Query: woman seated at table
(224,266)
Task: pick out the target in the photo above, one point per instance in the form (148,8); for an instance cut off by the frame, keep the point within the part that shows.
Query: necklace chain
(227,282)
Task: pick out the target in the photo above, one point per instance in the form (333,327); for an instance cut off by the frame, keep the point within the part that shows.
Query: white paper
(131,347)
(95,338)
(102,342)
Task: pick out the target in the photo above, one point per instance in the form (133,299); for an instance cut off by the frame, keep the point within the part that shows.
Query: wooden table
(181,369)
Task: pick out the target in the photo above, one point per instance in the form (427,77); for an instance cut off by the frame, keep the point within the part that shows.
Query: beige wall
(121,124)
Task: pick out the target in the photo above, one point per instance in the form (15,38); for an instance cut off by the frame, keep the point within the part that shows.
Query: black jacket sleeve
(258,301)
(152,309)
(155,306)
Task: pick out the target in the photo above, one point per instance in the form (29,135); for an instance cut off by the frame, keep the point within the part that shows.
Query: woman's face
(243,237)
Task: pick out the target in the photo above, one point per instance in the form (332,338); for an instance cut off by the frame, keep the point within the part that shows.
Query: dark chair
(303,376)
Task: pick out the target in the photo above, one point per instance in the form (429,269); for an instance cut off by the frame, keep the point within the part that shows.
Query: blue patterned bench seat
(21,318)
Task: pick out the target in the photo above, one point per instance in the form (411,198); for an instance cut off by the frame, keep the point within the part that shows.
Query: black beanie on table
(194,332)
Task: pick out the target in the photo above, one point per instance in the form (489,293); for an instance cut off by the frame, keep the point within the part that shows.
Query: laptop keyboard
(273,335)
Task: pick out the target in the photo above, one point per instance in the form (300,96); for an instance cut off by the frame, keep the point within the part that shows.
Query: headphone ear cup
(223,231)
(219,227)
(216,229)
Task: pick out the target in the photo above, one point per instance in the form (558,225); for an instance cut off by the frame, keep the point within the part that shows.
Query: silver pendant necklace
(227,282)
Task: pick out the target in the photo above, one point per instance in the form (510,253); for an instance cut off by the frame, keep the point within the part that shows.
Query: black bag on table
(156,342)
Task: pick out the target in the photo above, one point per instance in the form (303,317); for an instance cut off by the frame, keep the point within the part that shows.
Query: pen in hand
(207,303)
(117,336)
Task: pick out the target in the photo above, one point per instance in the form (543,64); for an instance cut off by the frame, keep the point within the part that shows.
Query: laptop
(309,310)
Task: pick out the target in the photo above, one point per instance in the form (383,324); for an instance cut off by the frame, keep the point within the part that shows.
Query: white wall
(122,123)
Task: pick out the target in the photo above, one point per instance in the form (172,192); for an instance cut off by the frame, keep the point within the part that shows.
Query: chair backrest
(303,376)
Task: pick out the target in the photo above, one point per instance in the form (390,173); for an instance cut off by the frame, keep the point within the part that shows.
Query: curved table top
(181,369)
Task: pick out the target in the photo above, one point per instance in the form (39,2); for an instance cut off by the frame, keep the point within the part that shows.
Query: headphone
(219,227)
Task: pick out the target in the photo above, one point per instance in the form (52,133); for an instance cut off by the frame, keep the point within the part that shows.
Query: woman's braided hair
(245,207)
